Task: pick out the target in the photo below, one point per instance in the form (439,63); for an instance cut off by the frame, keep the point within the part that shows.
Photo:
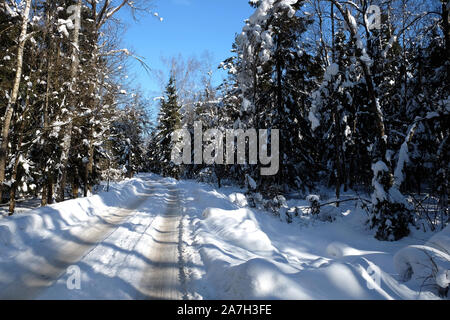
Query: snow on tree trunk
(403,158)
(390,215)
(67,134)
(14,95)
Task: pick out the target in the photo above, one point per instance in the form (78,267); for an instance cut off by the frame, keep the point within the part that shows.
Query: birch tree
(14,93)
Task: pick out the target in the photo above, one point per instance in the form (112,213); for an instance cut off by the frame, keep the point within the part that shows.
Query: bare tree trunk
(333,40)
(50,184)
(67,132)
(75,189)
(280,107)
(51,176)
(109,174)
(45,174)
(90,164)
(337,120)
(130,172)
(14,185)
(14,94)
(338,144)
(446,30)
(62,176)
(44,194)
(14,176)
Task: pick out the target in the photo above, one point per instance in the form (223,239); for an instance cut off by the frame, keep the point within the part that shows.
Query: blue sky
(189,27)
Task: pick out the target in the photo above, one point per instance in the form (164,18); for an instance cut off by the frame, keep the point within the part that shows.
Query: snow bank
(255,279)
(237,227)
(53,219)
(339,250)
(429,263)
(246,254)
(242,263)
(441,240)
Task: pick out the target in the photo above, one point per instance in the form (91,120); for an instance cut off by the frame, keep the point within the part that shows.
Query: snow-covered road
(158,238)
(161,278)
(129,251)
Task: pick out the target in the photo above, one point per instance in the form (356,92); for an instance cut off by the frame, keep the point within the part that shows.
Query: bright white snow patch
(236,226)
(239,199)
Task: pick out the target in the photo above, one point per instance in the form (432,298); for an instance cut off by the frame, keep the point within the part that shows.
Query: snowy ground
(159,238)
(250,254)
(111,238)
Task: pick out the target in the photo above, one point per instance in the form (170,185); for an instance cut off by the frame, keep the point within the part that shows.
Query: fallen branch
(345,200)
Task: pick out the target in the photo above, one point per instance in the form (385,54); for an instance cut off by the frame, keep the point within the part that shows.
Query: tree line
(360,92)
(68,117)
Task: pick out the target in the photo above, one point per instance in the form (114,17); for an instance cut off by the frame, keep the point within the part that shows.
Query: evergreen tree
(169,120)
(271,65)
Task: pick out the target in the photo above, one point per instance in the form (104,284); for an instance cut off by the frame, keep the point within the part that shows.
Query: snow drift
(245,254)
(61,216)
(429,263)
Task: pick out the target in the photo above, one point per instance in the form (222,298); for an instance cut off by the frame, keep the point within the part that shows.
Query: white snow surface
(107,236)
(229,251)
(245,253)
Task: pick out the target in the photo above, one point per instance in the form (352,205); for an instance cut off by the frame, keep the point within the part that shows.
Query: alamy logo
(214,151)
(374,20)
(74,280)
(75,14)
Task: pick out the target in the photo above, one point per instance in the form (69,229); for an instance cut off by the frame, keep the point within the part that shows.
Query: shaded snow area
(152,237)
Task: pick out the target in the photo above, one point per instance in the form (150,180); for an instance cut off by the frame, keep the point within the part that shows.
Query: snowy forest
(359,91)
(68,117)
(361,101)
(357,105)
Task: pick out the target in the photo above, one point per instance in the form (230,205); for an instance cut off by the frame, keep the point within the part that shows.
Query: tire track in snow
(164,277)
